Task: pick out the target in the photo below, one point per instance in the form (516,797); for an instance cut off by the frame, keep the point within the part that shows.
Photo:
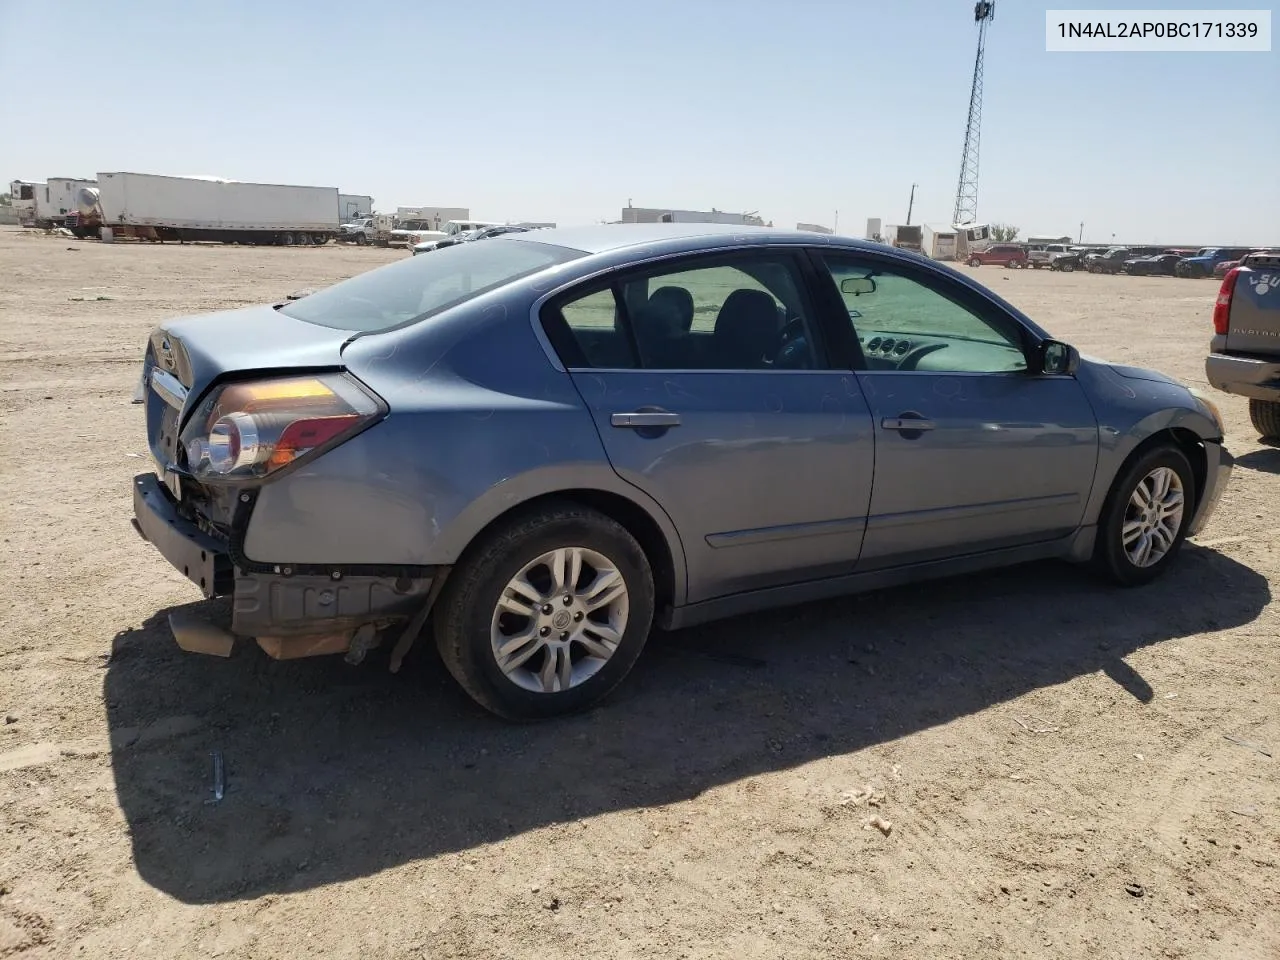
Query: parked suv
(1010,254)
(1244,355)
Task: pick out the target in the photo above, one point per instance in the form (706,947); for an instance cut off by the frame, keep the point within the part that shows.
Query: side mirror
(857,286)
(1058,359)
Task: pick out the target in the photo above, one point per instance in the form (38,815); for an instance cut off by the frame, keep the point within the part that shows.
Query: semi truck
(153,207)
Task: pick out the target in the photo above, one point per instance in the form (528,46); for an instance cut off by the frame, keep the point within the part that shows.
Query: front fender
(1131,411)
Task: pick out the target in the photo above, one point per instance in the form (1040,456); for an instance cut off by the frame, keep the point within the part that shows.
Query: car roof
(603,238)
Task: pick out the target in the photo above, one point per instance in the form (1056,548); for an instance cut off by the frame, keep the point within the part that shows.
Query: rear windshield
(418,287)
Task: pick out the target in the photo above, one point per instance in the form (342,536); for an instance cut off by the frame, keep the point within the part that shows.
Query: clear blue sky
(563,109)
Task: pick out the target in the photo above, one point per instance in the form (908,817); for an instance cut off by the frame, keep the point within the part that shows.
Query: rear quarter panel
(480,422)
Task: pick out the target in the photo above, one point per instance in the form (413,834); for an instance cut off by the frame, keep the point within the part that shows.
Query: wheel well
(618,508)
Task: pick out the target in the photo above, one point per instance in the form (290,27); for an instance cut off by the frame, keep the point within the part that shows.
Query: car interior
(757,321)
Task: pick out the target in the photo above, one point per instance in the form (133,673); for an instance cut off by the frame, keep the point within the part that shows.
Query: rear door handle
(907,423)
(644,418)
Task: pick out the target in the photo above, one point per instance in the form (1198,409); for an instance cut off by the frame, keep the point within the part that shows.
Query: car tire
(1067,268)
(1159,468)
(1265,415)
(975,262)
(471,622)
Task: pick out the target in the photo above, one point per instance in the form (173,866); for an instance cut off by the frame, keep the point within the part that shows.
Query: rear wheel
(1144,521)
(1265,415)
(1012,265)
(547,613)
(362,240)
(286,239)
(1067,268)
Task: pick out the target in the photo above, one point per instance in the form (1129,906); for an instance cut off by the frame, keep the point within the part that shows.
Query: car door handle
(907,423)
(645,418)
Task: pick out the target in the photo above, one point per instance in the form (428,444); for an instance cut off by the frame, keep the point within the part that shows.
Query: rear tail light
(250,430)
(1222,306)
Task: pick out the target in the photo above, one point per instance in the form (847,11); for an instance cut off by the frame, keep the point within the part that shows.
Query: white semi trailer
(153,207)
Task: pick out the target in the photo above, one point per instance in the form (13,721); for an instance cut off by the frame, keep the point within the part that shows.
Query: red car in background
(1010,255)
(1221,269)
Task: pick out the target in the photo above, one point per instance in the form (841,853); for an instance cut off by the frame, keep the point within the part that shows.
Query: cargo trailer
(153,207)
(938,242)
(353,206)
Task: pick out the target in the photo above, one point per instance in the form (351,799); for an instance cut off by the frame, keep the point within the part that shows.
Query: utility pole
(966,210)
(911,203)
(1080,239)
(836,228)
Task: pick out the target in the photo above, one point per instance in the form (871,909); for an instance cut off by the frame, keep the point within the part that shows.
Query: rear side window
(743,312)
(419,287)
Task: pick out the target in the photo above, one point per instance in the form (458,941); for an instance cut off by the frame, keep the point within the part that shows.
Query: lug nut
(546,608)
(567,600)
(578,615)
(544,631)
(564,635)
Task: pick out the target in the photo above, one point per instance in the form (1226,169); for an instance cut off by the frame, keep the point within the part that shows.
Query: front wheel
(975,262)
(1067,268)
(1144,522)
(547,613)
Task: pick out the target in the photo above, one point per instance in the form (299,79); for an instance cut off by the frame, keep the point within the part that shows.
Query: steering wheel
(793,351)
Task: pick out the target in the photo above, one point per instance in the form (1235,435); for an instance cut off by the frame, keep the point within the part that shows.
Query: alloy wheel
(1153,517)
(559,620)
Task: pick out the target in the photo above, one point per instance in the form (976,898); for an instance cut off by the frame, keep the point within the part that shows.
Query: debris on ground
(1044,726)
(1248,743)
(868,794)
(884,826)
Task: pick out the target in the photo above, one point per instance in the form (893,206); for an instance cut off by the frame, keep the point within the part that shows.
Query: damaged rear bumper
(290,613)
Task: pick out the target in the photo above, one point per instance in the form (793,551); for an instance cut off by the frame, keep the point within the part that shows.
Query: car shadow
(334,772)
(1266,460)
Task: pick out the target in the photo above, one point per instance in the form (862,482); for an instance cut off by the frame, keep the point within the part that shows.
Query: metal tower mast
(967,192)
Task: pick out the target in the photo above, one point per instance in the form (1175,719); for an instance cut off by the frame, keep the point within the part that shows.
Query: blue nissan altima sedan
(537,448)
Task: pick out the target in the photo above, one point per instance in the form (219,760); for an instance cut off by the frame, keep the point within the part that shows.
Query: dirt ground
(1069,770)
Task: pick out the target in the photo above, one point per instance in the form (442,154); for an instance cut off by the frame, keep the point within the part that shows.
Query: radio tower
(967,192)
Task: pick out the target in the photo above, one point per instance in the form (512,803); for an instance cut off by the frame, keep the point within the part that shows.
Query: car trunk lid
(1253,321)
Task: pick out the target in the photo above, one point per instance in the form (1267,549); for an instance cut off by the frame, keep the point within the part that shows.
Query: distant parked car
(1110,260)
(1070,261)
(1202,264)
(540,445)
(469,236)
(1042,256)
(1162,264)
(1222,268)
(1010,255)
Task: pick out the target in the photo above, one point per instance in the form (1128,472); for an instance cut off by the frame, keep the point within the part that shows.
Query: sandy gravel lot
(1052,753)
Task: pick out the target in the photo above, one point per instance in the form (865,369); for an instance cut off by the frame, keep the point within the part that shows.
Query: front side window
(741,313)
(419,287)
(903,324)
